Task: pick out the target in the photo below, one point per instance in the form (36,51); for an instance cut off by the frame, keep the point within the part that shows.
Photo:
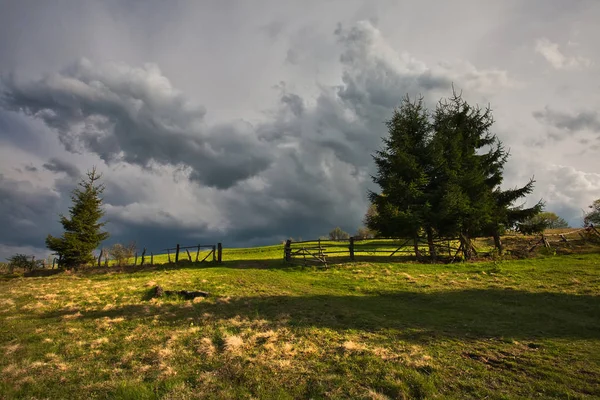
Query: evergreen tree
(83,231)
(469,171)
(507,215)
(465,173)
(539,222)
(403,166)
(440,174)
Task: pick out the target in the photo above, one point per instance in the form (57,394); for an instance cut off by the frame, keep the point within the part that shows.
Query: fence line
(313,251)
(215,250)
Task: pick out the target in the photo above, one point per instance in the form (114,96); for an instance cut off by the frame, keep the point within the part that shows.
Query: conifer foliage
(82,229)
(440,174)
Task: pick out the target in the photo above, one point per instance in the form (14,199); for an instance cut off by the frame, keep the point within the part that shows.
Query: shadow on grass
(408,315)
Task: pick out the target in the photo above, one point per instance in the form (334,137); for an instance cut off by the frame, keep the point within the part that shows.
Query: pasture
(374,330)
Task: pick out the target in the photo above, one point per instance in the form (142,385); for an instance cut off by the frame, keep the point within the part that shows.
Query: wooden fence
(173,255)
(320,251)
(562,239)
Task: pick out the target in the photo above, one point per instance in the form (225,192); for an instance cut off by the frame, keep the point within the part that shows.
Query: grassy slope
(527,328)
(363,248)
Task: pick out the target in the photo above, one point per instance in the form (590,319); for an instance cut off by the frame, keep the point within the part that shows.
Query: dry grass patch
(99,342)
(233,344)
(374,395)
(11,348)
(353,347)
(206,347)
(72,316)
(8,303)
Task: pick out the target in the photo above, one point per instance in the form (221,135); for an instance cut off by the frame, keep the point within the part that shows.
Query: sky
(248,123)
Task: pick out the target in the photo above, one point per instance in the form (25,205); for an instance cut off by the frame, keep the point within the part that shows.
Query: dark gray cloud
(27,214)
(585,120)
(58,165)
(135,115)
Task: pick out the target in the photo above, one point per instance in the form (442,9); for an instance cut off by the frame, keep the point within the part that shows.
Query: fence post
(143,256)
(135,259)
(219,253)
(197,253)
(352,248)
(214,251)
(287,251)
(151,258)
(189,256)
(177,253)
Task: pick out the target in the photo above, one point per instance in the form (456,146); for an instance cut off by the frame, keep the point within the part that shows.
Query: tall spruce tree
(440,174)
(465,172)
(402,207)
(469,171)
(83,229)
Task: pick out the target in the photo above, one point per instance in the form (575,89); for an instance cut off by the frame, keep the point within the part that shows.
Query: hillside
(527,328)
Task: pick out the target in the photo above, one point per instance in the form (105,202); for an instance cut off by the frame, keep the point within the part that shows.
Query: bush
(364,233)
(338,234)
(21,261)
(5,268)
(121,253)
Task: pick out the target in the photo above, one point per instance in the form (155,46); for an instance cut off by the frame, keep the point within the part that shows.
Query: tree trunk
(416,246)
(431,244)
(467,247)
(498,243)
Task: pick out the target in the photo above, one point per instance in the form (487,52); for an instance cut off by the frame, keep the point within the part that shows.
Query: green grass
(512,329)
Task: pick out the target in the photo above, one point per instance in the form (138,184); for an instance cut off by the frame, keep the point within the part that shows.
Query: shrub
(121,253)
(21,261)
(338,234)
(364,233)
(5,268)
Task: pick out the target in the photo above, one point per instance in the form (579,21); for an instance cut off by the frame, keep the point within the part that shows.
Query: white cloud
(551,52)
(566,190)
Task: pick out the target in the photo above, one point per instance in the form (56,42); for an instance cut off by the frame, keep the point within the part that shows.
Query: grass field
(338,251)
(512,329)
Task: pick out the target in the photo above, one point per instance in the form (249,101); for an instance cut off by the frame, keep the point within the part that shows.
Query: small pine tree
(83,231)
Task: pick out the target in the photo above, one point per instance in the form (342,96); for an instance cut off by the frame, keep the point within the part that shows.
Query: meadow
(373,330)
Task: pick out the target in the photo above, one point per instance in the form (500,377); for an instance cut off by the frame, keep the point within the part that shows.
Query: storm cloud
(58,165)
(134,115)
(585,120)
(255,134)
